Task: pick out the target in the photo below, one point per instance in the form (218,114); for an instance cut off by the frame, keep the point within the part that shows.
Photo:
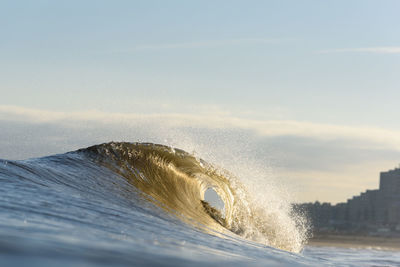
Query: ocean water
(127,204)
(337,256)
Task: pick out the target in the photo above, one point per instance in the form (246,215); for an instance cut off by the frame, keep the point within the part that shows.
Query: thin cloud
(377,137)
(208,43)
(374,50)
(202,44)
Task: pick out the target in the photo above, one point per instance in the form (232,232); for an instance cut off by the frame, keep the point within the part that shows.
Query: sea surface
(141,204)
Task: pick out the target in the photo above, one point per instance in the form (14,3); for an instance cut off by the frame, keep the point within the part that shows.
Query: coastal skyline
(307,92)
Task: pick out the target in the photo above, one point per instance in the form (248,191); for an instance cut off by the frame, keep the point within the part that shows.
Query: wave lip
(170,178)
(177,181)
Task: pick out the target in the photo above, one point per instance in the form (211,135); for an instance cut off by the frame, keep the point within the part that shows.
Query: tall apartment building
(370,210)
(389,197)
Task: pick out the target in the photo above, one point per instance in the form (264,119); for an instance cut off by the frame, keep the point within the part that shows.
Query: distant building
(389,186)
(371,211)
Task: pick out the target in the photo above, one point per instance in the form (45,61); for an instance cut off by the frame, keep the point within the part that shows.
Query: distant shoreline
(355,241)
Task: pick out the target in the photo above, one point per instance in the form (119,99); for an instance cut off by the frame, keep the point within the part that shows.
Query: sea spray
(177,181)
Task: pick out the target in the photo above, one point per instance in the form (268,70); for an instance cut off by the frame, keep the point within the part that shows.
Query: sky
(306,92)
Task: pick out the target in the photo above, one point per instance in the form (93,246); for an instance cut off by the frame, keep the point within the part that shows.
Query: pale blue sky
(318,62)
(240,55)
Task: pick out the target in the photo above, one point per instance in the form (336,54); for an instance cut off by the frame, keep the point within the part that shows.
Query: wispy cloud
(202,44)
(374,50)
(381,138)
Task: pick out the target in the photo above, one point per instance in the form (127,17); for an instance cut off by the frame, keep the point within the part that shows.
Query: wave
(136,204)
(177,182)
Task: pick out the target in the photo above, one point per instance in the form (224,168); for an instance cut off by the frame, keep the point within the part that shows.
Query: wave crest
(177,181)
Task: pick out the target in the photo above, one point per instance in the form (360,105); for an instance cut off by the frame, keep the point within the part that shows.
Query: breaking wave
(178,181)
